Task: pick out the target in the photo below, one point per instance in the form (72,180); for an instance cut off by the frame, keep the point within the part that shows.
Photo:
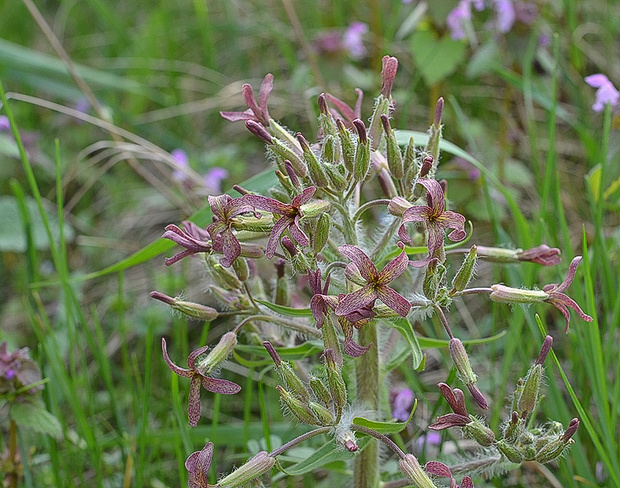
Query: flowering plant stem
(366,465)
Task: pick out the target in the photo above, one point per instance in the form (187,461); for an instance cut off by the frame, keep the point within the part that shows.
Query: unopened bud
(317,175)
(218,354)
(273,353)
(347,440)
(223,276)
(290,171)
(320,390)
(544,350)
(362,153)
(482,434)
(286,153)
(398,205)
(298,408)
(324,416)
(330,149)
(334,378)
(240,265)
(195,310)
(409,166)
(543,254)
(284,180)
(347,145)
(427,165)
(432,146)
(529,396)
(438,112)
(512,428)
(259,131)
(570,430)
(336,176)
(321,234)
(465,371)
(231,300)
(466,271)
(394,156)
(411,468)
(255,467)
(375,129)
(511,452)
(506,294)
(293,381)
(314,208)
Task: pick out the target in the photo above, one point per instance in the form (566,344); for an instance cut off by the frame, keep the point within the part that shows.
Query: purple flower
(18,370)
(456,400)
(505,15)
(560,300)
(436,218)
(197,465)
(213,179)
(291,214)
(4,123)
(401,401)
(352,39)
(256,112)
(456,19)
(606,92)
(182,160)
(440,469)
(376,283)
(430,439)
(543,254)
(198,378)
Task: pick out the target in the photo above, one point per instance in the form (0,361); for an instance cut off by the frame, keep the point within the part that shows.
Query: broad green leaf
(34,416)
(386,427)
(436,57)
(12,236)
(288,311)
(406,329)
(329,453)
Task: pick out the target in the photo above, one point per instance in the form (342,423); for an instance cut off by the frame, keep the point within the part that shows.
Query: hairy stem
(366,466)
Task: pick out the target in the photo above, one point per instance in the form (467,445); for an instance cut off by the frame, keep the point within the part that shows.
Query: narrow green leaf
(288,311)
(386,427)
(406,329)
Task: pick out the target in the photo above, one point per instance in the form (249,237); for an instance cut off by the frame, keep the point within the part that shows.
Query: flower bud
(482,434)
(298,408)
(398,205)
(348,147)
(223,276)
(324,416)
(362,153)
(394,156)
(285,180)
(240,265)
(280,149)
(317,175)
(347,440)
(498,254)
(320,390)
(331,151)
(293,382)
(258,465)
(464,274)
(511,452)
(411,468)
(290,171)
(529,396)
(336,176)
(410,167)
(432,146)
(321,234)
(375,129)
(513,427)
(231,300)
(273,353)
(542,254)
(195,310)
(314,208)
(334,378)
(326,120)
(544,350)
(465,372)
(506,294)
(218,354)
(259,131)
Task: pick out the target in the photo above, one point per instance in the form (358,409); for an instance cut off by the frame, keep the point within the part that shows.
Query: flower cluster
(319,228)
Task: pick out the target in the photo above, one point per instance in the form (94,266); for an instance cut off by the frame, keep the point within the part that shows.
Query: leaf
(406,329)
(428,343)
(329,453)
(386,427)
(436,58)
(34,416)
(12,236)
(288,311)
(287,353)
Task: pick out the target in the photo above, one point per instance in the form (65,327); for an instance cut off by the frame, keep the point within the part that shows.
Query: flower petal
(357,300)
(191,359)
(268,204)
(217,385)
(570,276)
(364,264)
(186,373)
(264,92)
(450,420)
(298,234)
(303,197)
(197,465)
(394,300)
(438,469)
(231,248)
(394,268)
(351,348)
(275,235)
(193,401)
(435,194)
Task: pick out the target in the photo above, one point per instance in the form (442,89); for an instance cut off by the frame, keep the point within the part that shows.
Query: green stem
(366,465)
(13,461)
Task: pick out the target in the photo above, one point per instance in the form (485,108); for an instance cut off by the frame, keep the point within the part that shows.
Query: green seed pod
(479,432)
(330,339)
(255,467)
(293,382)
(529,396)
(394,156)
(410,167)
(375,130)
(334,379)
(331,152)
(240,265)
(283,292)
(362,153)
(552,451)
(511,452)
(298,408)
(461,361)
(286,153)
(337,179)
(466,271)
(506,294)
(324,416)
(320,390)
(348,146)
(224,276)
(195,310)
(319,239)
(317,174)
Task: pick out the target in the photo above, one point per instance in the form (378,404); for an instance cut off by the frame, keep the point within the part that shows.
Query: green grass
(162,71)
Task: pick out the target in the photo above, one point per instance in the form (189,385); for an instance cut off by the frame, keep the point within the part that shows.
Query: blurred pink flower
(505,15)
(352,39)
(4,123)
(606,92)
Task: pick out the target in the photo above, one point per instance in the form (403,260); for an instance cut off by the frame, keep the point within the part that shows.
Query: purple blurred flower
(401,401)
(606,92)
(352,39)
(213,179)
(182,159)
(431,439)
(526,12)
(4,123)
(505,15)
(457,18)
